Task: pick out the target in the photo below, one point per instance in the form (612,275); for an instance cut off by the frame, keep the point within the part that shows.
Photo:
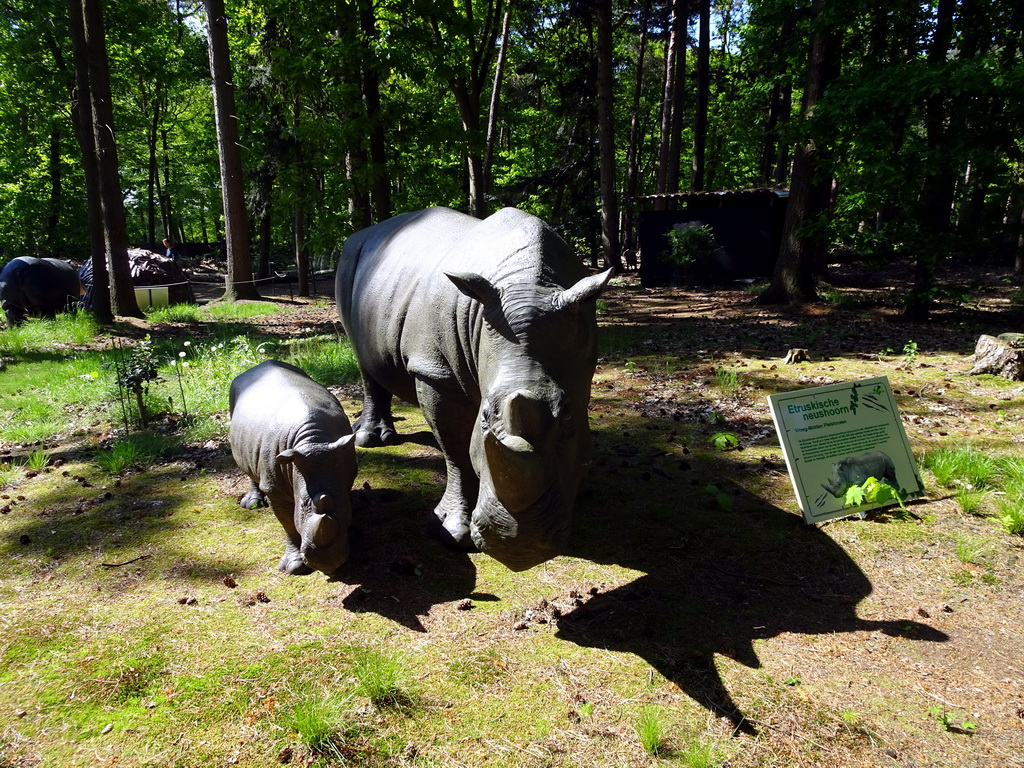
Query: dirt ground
(920,652)
(851,643)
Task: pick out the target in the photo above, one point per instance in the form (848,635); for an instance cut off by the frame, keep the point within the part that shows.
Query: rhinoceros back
(275,406)
(401,311)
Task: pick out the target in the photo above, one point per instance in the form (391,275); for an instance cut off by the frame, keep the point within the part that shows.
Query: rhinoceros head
(323,475)
(531,442)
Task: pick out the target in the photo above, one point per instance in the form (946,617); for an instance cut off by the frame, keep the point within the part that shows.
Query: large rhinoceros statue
(43,287)
(489,326)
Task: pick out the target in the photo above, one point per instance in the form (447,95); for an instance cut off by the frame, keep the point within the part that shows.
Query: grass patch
(326,359)
(67,329)
(380,677)
(176,313)
(317,719)
(134,451)
(242,310)
(961,465)
(650,730)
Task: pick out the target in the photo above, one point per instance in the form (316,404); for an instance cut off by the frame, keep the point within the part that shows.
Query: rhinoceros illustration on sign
(490,327)
(855,470)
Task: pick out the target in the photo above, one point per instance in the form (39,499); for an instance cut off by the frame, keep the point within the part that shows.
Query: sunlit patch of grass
(176,313)
(317,720)
(970,500)
(326,359)
(650,729)
(242,310)
(139,449)
(970,551)
(9,474)
(75,328)
(1011,512)
(380,678)
(964,464)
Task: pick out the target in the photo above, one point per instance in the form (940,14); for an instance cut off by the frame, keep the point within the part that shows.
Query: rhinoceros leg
(375,427)
(451,419)
(291,560)
(253,498)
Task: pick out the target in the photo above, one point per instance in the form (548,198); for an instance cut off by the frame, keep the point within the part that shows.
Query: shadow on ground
(719,574)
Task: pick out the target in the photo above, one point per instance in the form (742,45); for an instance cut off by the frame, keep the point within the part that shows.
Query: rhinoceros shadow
(395,568)
(718,576)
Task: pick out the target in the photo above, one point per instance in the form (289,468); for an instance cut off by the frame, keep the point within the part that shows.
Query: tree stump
(796,355)
(1002,355)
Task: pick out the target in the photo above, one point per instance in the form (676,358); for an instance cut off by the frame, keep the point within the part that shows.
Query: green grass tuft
(962,465)
(327,359)
(380,679)
(176,313)
(136,450)
(650,729)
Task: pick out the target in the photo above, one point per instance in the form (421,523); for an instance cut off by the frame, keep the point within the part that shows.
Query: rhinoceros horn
(517,471)
(323,528)
(585,289)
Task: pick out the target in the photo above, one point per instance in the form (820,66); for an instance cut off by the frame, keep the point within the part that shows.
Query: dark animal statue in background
(855,470)
(43,287)
(490,327)
(291,437)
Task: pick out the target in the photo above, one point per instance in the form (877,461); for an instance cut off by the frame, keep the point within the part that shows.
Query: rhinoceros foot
(291,563)
(254,499)
(451,526)
(375,438)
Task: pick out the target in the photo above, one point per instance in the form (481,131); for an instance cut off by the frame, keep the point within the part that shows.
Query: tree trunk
(700,120)
(939,185)
(773,153)
(154,170)
(492,112)
(606,130)
(101,119)
(633,150)
(301,252)
(82,116)
(804,239)
(239,282)
(380,182)
(669,109)
(56,192)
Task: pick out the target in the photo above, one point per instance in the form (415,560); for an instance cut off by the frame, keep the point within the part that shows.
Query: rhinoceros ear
(341,442)
(586,289)
(475,286)
(289,456)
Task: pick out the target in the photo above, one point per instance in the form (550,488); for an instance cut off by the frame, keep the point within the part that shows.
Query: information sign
(837,436)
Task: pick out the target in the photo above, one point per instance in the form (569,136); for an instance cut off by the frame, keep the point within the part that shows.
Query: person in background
(170,252)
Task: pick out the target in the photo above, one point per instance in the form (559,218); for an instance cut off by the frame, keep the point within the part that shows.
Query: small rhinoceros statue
(490,327)
(292,438)
(855,470)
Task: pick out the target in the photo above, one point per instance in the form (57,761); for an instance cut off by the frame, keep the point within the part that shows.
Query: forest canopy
(902,120)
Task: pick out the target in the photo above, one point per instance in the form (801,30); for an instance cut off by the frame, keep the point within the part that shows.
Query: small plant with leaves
(136,369)
(874,491)
(910,353)
(688,243)
(951,721)
(1011,514)
(724,441)
(723,500)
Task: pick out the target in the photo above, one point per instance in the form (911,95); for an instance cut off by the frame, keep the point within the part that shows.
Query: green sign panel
(836,437)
